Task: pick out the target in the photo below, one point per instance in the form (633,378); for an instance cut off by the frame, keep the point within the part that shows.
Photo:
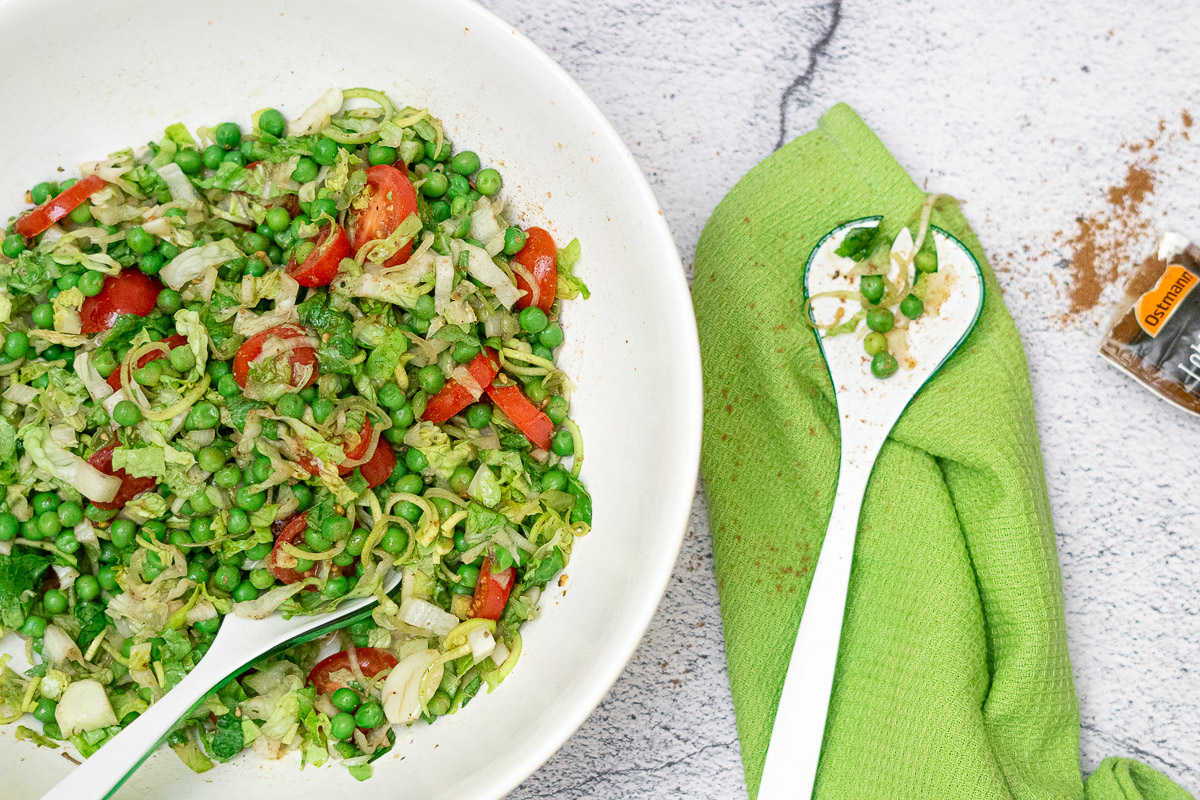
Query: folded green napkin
(953,679)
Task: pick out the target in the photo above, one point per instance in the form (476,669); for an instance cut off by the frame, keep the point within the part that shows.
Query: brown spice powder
(1104,241)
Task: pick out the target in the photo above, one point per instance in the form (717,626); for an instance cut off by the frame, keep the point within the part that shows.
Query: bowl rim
(679,498)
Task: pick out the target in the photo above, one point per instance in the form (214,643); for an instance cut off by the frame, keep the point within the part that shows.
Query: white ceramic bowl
(82,80)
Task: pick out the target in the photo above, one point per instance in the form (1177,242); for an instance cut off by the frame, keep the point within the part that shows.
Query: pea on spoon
(239,643)
(868,408)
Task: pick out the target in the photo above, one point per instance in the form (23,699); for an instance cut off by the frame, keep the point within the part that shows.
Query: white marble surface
(1024,110)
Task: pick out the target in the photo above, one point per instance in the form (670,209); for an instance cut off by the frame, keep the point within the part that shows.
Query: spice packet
(1155,336)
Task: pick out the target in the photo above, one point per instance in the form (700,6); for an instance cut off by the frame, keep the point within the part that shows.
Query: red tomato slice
(536,426)
(492,590)
(357,451)
(177,340)
(540,257)
(294,530)
(54,209)
(321,265)
(453,397)
(393,198)
(131,487)
(371,660)
(299,357)
(129,292)
(379,468)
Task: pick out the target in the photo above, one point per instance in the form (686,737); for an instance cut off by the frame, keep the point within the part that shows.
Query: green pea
(67,281)
(323,209)
(218,369)
(345,699)
(875,342)
(45,501)
(880,319)
(182,358)
(408,511)
(533,320)
(54,601)
(401,417)
(139,240)
(303,495)
(43,314)
(883,365)
(278,219)
(16,344)
(563,443)
(151,263)
(49,524)
(150,374)
(204,415)
(249,500)
(228,135)
(227,577)
(70,514)
(335,587)
(479,415)
(556,409)
(457,187)
(464,352)
(290,405)
(356,542)
(201,503)
(911,306)
(244,592)
(45,710)
(487,182)
(9,525)
(34,627)
(260,550)
(460,479)
(91,283)
(254,242)
(435,184)
(432,151)
(234,157)
(316,539)
(369,715)
(514,240)
(926,261)
(303,565)
(412,484)
(126,413)
(381,154)
(153,530)
(212,156)
(169,301)
(395,541)
(872,287)
(43,192)
(305,171)
(271,121)
(121,533)
(439,210)
(228,476)
(390,396)
(465,162)
(190,161)
(322,409)
(415,460)
(14,245)
(469,574)
(87,587)
(335,528)
(262,579)
(166,249)
(342,726)
(535,391)
(425,307)
(431,379)
(325,151)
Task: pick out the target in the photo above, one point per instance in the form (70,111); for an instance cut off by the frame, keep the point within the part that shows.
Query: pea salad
(249,370)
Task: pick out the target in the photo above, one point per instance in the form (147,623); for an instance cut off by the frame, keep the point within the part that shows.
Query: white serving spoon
(239,643)
(868,408)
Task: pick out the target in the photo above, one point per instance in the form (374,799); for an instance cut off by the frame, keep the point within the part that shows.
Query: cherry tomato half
(321,265)
(371,660)
(299,357)
(129,292)
(540,257)
(492,590)
(293,530)
(131,487)
(393,198)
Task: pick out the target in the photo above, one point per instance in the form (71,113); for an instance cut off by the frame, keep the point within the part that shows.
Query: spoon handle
(790,768)
(101,775)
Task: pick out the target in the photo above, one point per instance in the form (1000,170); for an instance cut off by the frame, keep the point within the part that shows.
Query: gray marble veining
(1029,111)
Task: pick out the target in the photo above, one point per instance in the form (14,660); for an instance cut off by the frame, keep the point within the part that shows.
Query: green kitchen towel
(953,678)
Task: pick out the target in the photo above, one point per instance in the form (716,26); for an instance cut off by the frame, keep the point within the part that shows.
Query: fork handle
(100,776)
(794,751)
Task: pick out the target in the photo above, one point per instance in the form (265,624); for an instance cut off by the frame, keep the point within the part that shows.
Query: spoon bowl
(238,644)
(868,408)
